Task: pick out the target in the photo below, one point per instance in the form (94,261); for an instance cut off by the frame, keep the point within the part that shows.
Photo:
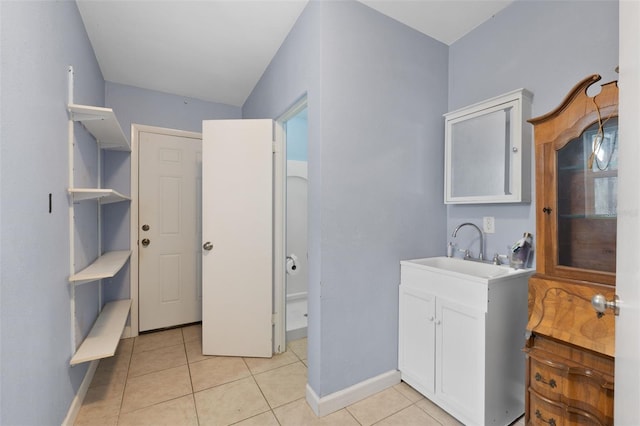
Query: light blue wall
(141,106)
(545,47)
(297,135)
(375,150)
(294,71)
(133,105)
(38,39)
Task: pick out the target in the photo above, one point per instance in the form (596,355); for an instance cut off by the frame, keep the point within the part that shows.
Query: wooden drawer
(569,381)
(546,380)
(544,411)
(589,391)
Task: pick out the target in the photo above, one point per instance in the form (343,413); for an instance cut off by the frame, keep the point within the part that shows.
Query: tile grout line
(261,393)
(352,415)
(128,358)
(171,399)
(253,376)
(126,381)
(193,392)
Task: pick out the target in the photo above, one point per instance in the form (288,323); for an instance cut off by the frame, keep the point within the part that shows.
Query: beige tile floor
(162,378)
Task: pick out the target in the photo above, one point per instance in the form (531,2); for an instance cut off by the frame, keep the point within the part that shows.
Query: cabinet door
(416,357)
(460,337)
(576,185)
(586,180)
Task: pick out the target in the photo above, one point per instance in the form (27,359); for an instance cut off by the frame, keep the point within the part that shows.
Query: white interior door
(237,227)
(627,387)
(169,230)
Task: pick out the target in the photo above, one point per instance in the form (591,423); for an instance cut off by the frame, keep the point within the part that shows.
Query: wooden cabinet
(567,385)
(570,351)
(576,215)
(460,341)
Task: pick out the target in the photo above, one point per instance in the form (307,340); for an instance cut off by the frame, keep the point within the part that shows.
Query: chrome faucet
(481,255)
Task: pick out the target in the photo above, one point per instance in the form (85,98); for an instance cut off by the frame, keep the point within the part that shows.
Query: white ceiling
(217,50)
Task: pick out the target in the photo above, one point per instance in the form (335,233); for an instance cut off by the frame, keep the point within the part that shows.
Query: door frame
(280,225)
(135,176)
(627,369)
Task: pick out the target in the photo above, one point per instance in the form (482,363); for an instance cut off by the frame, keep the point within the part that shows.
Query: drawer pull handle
(551,421)
(552,383)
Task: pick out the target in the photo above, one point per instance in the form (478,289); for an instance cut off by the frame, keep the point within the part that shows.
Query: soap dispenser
(521,251)
(450,249)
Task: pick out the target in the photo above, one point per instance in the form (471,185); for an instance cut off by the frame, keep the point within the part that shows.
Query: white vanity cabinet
(460,341)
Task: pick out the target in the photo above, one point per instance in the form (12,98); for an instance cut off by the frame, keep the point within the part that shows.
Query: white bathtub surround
(296,308)
(297,224)
(296,316)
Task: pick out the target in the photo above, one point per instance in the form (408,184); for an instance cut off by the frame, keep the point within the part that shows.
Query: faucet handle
(498,258)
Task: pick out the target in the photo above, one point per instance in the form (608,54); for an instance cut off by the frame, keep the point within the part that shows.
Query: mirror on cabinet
(488,151)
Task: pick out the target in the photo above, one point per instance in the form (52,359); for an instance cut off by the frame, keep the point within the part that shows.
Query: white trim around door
(135,131)
(280,224)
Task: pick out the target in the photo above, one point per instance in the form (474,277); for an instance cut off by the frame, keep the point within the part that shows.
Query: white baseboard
(345,397)
(74,409)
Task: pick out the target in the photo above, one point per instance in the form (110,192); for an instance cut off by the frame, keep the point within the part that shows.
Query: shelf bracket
(75,116)
(70,84)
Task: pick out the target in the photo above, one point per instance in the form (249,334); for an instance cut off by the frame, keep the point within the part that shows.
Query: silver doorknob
(601,304)
(207,246)
(145,242)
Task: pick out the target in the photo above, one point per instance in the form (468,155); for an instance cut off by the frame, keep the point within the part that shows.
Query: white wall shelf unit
(105,196)
(102,124)
(105,266)
(102,340)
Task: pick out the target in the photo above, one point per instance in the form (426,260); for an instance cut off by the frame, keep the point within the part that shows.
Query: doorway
(296,282)
(279,243)
(290,319)
(166,282)
(170,200)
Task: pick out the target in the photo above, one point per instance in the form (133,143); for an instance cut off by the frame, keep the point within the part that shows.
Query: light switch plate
(489,224)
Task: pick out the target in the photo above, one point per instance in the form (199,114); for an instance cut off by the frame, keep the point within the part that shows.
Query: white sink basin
(465,267)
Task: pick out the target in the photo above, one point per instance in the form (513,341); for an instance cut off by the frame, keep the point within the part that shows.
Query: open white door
(627,387)
(237,231)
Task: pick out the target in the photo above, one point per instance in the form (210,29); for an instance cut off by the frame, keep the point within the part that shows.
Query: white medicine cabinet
(488,151)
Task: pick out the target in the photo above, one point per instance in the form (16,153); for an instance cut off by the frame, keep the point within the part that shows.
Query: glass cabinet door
(587,187)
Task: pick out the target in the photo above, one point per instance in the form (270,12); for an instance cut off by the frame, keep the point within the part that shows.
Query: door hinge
(274,147)
(273,319)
